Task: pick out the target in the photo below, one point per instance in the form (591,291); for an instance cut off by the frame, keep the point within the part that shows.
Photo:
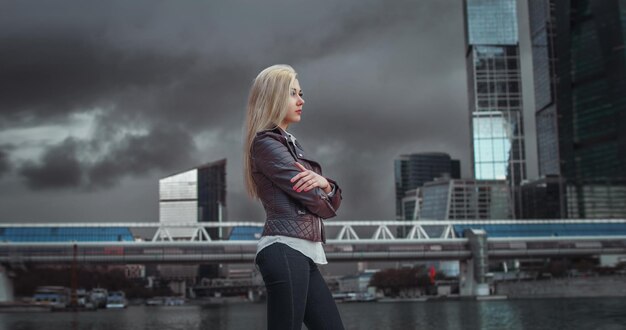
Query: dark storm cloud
(381,78)
(47,77)
(67,165)
(164,148)
(57,168)
(5,164)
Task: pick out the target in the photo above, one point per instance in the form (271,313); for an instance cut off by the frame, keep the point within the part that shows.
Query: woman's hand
(307,180)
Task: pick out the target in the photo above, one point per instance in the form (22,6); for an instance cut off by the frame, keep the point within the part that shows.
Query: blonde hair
(267,107)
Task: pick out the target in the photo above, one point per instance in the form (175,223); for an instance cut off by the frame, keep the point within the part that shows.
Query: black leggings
(296,291)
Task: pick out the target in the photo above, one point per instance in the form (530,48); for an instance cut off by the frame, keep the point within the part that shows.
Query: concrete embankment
(605,286)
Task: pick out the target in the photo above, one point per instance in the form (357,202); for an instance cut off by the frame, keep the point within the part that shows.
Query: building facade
(411,204)
(541,199)
(414,170)
(579,65)
(495,93)
(465,199)
(194,195)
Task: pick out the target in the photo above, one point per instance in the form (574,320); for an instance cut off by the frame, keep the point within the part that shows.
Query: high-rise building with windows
(413,170)
(579,64)
(194,195)
(495,93)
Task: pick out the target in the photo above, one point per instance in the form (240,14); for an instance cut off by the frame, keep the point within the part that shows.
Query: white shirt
(313,250)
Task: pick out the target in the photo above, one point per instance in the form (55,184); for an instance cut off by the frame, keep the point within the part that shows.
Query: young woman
(296,198)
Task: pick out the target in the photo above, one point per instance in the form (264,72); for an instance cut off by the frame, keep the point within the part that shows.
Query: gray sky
(101,99)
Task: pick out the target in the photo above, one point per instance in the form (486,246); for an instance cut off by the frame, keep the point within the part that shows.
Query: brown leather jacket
(289,213)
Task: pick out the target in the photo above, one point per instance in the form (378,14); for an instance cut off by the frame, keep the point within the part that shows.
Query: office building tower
(579,68)
(413,170)
(495,93)
(194,195)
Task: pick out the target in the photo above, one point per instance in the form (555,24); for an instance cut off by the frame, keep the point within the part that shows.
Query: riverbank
(571,287)
(575,287)
(606,313)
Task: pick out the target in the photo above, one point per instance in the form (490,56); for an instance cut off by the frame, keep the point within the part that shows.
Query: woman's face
(295,104)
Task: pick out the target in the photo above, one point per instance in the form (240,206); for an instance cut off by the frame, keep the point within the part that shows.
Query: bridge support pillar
(472,276)
(6,286)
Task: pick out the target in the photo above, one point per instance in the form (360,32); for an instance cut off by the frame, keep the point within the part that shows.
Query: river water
(596,313)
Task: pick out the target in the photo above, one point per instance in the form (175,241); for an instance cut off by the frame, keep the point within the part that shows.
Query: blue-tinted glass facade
(243,233)
(497,125)
(542,39)
(435,202)
(542,48)
(65,234)
(492,22)
(546,229)
(548,141)
(465,200)
(495,93)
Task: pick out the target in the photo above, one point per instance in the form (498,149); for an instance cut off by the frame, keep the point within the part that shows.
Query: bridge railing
(336,231)
(381,230)
(347,241)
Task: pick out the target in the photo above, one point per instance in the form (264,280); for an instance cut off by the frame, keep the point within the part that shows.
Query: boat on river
(116,299)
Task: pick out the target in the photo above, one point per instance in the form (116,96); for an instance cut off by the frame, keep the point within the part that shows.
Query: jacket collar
(276,132)
(294,148)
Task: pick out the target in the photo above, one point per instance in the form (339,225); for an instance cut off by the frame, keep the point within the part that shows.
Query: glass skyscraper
(495,93)
(542,30)
(579,64)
